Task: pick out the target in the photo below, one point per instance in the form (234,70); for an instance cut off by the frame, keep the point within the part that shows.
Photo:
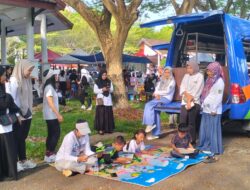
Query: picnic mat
(147,169)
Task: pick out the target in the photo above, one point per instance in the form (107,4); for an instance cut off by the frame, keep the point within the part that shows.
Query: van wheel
(246,128)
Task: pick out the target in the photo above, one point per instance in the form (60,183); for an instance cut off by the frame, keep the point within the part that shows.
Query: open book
(186,150)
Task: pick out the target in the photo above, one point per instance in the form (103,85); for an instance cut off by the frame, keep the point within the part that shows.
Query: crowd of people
(197,96)
(75,153)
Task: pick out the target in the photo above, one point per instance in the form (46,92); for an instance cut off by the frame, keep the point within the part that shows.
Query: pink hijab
(216,69)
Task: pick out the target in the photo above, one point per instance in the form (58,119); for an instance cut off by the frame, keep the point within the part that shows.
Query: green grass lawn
(38,131)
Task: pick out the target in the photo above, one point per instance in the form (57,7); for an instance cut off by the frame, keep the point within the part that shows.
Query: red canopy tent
(51,56)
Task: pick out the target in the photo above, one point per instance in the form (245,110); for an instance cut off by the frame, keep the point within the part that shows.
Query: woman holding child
(190,90)
(211,99)
(163,93)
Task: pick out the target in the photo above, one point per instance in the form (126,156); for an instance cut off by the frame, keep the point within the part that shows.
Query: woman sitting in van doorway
(210,138)
(163,93)
(190,90)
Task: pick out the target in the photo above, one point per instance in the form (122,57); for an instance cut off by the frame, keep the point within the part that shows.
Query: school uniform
(104,117)
(71,148)
(20,131)
(192,84)
(132,146)
(51,118)
(210,138)
(166,94)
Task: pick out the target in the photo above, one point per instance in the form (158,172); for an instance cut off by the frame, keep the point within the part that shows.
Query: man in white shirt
(74,154)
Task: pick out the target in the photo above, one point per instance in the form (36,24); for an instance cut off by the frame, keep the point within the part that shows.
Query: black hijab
(2,86)
(103,83)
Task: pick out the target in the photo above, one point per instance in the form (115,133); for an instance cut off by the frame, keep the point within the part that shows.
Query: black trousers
(8,159)
(83,96)
(190,117)
(21,133)
(53,134)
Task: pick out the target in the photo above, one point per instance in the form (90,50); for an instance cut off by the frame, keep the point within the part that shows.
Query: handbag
(99,102)
(8,119)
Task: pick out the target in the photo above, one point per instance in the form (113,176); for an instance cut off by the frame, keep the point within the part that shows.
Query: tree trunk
(186,7)
(113,59)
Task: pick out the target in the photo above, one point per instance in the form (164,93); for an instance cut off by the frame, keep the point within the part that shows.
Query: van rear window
(246,45)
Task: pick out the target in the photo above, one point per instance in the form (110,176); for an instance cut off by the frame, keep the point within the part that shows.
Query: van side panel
(234,30)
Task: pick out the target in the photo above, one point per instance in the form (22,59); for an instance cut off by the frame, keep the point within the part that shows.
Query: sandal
(210,159)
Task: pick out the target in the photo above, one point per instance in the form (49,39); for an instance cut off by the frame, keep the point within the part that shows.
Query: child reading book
(137,143)
(181,143)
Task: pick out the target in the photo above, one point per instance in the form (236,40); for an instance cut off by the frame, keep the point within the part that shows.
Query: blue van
(212,36)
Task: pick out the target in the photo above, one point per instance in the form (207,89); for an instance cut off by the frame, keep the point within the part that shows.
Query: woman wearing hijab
(20,88)
(163,93)
(51,114)
(190,90)
(210,138)
(8,158)
(104,118)
(86,85)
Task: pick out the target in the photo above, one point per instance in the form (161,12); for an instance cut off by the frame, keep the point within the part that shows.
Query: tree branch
(121,6)
(89,16)
(202,6)
(243,9)
(228,6)
(213,4)
(175,5)
(106,17)
(110,5)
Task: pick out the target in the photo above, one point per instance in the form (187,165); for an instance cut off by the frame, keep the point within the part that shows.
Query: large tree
(111,42)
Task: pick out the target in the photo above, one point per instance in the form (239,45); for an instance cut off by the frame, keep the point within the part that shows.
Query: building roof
(14,16)
(152,42)
(43,4)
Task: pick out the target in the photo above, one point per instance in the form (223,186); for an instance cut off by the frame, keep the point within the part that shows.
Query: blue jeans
(150,115)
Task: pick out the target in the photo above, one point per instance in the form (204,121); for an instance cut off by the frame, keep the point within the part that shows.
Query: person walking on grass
(51,114)
(20,88)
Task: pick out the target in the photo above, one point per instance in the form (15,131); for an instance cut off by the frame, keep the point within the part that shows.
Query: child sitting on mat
(137,143)
(110,154)
(181,143)
(75,155)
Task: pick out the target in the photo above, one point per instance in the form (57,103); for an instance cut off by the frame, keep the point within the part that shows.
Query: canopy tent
(98,58)
(68,59)
(51,56)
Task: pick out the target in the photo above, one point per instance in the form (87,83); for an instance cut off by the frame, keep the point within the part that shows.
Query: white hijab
(24,85)
(164,82)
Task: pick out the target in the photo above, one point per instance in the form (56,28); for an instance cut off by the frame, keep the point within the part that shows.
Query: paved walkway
(231,172)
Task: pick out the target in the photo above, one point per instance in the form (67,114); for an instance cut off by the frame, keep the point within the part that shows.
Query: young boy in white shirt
(74,155)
